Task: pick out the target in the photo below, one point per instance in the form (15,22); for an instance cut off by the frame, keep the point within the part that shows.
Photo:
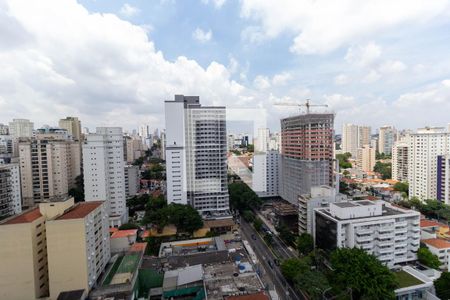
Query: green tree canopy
(242,197)
(128,226)
(184,217)
(291,267)
(402,187)
(427,258)
(305,244)
(442,285)
(257,223)
(343,160)
(363,273)
(385,169)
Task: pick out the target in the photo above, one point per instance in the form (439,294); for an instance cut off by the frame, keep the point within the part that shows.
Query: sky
(113,63)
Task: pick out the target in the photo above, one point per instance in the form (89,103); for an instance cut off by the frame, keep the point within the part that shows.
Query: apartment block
(400,163)
(364,135)
(78,247)
(132,178)
(73,127)
(306,154)
(104,175)
(52,248)
(6,148)
(262,141)
(21,128)
(425,147)
(390,233)
(10,193)
(266,173)
(196,154)
(350,139)
(366,158)
(386,138)
(49,164)
(320,196)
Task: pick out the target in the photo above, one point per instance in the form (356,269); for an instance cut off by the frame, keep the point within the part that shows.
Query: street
(264,254)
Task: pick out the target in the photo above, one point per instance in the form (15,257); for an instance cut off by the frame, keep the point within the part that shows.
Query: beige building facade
(73,127)
(366,158)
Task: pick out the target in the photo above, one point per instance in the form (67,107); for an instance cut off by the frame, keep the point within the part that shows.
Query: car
(254,236)
(270,263)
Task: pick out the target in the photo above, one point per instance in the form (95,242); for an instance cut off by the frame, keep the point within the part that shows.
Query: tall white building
(196,154)
(350,139)
(4,129)
(386,138)
(425,147)
(73,127)
(10,194)
(262,140)
(390,233)
(266,172)
(163,145)
(21,128)
(366,158)
(400,165)
(104,176)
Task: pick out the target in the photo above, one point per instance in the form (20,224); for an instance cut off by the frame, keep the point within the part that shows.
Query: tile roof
(123,233)
(429,223)
(25,217)
(437,243)
(138,247)
(80,210)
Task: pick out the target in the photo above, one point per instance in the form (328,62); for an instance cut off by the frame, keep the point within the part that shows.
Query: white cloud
(341,79)
(281,79)
(98,67)
(322,26)
(363,56)
(128,10)
(392,66)
(253,35)
(217,3)
(261,82)
(372,76)
(201,35)
(339,102)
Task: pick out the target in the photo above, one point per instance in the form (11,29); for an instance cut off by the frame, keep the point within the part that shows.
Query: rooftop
(25,217)
(406,280)
(437,243)
(429,223)
(123,233)
(80,210)
(256,296)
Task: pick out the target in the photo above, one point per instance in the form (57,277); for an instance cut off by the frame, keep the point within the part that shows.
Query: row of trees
(352,271)
(242,197)
(430,208)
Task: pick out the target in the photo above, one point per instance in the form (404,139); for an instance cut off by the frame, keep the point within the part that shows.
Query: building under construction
(306,154)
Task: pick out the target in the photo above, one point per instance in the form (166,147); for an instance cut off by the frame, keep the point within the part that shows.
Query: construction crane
(306,104)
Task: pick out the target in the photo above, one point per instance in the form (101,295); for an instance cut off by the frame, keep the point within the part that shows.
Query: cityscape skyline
(368,75)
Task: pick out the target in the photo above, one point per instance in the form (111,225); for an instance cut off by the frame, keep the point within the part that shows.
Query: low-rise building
(389,232)
(121,240)
(320,196)
(440,248)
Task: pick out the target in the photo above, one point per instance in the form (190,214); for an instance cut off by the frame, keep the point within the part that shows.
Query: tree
(385,169)
(248,216)
(138,162)
(250,148)
(257,223)
(184,217)
(442,285)
(286,235)
(402,187)
(293,266)
(343,160)
(77,192)
(305,244)
(314,283)
(242,197)
(363,273)
(128,226)
(427,258)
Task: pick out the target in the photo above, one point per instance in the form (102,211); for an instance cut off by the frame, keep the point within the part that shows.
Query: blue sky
(114,62)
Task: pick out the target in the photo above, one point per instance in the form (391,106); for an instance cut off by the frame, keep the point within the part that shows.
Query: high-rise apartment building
(104,176)
(73,127)
(306,154)
(163,145)
(78,247)
(443,178)
(196,154)
(10,193)
(262,140)
(132,184)
(350,139)
(52,248)
(21,128)
(49,164)
(133,148)
(390,233)
(400,165)
(386,138)
(266,175)
(6,149)
(425,147)
(366,158)
(4,129)
(364,136)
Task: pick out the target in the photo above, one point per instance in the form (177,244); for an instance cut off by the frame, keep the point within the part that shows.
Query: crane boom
(306,104)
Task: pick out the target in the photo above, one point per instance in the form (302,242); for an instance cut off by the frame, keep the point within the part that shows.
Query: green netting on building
(148,279)
(183,292)
(129,264)
(113,271)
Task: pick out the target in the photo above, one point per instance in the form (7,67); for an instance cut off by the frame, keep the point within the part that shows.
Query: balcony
(401,224)
(385,229)
(364,238)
